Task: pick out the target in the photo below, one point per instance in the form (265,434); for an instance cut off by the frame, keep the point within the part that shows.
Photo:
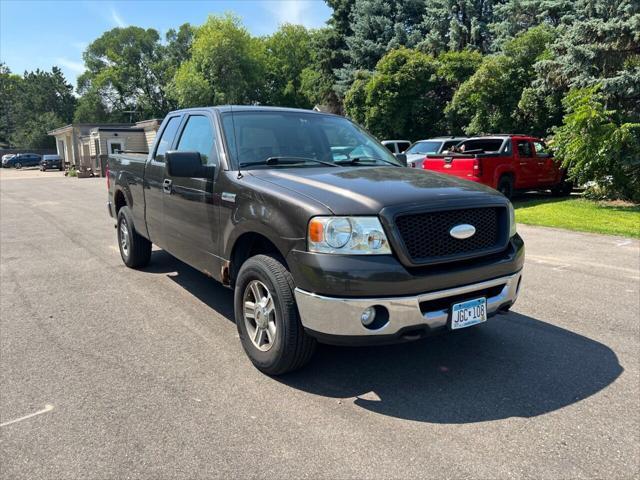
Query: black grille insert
(426,235)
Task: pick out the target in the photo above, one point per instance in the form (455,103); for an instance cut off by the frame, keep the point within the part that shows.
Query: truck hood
(367,190)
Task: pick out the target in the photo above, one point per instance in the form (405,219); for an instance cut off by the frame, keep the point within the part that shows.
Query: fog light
(368,316)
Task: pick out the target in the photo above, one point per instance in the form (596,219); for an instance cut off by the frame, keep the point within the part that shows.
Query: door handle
(166,185)
(523,163)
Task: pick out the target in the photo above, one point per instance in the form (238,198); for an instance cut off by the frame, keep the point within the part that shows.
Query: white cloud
(117,19)
(76,67)
(299,12)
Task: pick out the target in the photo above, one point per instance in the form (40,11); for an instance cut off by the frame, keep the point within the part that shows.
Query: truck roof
(250,108)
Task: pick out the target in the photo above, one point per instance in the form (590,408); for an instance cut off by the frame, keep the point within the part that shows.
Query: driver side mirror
(187,164)
(401,157)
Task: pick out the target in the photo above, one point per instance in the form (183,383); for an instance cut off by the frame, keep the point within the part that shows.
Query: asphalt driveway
(108,372)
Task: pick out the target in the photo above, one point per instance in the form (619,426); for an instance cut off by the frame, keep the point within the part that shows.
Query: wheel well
(119,201)
(245,247)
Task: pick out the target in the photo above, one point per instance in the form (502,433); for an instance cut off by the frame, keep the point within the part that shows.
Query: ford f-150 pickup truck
(505,162)
(321,232)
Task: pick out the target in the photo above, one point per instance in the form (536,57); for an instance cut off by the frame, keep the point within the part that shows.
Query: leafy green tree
(33,132)
(91,109)
(33,104)
(355,100)
(594,146)
(127,69)
(226,66)
(318,78)
(488,101)
(287,54)
(405,95)
(10,88)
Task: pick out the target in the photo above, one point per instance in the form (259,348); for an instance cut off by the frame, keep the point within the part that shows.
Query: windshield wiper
(286,160)
(365,161)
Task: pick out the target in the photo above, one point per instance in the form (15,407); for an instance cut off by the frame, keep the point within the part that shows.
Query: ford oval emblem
(462,231)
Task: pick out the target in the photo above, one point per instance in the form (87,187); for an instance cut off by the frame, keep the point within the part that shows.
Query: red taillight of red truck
(477,168)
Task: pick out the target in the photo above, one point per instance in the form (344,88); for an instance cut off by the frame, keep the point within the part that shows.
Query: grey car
(417,152)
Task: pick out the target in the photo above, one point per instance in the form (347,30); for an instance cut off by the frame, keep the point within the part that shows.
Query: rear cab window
(166,138)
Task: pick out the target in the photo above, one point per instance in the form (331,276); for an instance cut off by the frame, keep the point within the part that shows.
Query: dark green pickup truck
(323,234)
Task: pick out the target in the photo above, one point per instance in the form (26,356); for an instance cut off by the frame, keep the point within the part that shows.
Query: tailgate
(458,165)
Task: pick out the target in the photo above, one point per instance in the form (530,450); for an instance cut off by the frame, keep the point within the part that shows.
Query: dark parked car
(320,231)
(51,161)
(23,160)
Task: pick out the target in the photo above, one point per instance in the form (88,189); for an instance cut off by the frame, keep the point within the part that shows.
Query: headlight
(347,235)
(512,221)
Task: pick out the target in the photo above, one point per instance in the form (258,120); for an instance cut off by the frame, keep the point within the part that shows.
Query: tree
(226,66)
(601,46)
(516,16)
(488,102)
(10,87)
(126,68)
(405,95)
(318,79)
(595,147)
(33,104)
(378,26)
(33,133)
(456,25)
(287,54)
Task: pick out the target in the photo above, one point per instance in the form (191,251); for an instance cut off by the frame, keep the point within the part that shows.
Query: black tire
(563,189)
(18,165)
(292,348)
(505,186)
(137,251)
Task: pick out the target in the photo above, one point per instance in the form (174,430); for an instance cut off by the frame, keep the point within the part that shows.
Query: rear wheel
(135,250)
(267,317)
(564,188)
(18,165)
(505,186)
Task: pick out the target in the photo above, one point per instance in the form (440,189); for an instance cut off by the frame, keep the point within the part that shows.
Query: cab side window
(541,149)
(524,149)
(198,136)
(168,134)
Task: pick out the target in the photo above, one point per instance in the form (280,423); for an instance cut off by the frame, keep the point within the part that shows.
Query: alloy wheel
(259,315)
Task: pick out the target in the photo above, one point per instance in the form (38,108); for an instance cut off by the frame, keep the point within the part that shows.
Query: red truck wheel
(505,186)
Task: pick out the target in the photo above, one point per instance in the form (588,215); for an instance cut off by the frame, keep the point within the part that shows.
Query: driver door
(190,216)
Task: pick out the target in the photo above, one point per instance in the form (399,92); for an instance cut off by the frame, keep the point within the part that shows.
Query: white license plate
(468,313)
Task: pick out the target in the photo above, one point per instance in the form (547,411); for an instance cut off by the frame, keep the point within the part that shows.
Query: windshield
(270,139)
(424,147)
(51,157)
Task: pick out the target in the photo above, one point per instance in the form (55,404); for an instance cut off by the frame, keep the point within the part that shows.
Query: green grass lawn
(575,213)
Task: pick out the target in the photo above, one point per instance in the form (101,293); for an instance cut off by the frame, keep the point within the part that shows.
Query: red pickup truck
(504,162)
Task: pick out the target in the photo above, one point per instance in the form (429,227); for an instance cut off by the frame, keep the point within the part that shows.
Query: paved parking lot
(140,374)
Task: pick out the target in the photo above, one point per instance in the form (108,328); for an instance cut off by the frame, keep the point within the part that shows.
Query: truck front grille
(427,239)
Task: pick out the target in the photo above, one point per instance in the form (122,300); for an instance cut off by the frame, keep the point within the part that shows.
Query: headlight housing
(512,221)
(347,236)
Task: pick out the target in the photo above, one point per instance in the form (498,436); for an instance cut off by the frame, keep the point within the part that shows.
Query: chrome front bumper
(342,316)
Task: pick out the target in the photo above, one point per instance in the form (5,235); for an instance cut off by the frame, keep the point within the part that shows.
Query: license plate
(468,313)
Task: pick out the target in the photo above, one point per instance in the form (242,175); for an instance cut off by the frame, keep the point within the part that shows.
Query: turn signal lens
(316,231)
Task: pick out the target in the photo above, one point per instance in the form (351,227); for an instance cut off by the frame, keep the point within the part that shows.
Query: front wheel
(267,317)
(135,250)
(18,165)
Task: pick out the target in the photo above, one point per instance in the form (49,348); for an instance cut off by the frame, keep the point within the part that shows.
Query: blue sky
(43,33)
